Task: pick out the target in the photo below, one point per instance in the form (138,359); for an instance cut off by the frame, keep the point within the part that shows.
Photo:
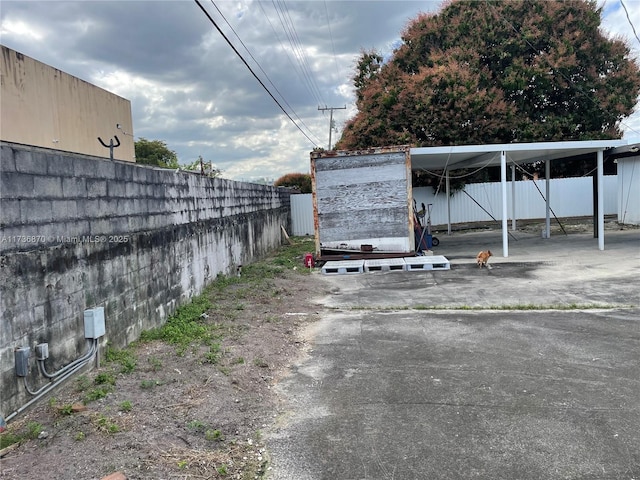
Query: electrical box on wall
(22,361)
(94,323)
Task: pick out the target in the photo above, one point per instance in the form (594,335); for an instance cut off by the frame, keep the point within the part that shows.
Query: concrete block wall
(79,232)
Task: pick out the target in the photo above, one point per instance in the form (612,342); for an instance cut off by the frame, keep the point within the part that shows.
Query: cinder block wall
(80,232)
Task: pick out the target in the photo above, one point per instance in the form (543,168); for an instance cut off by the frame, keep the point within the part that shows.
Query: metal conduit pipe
(47,388)
(43,370)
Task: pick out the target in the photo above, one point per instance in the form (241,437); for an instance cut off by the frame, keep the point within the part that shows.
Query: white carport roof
(475,156)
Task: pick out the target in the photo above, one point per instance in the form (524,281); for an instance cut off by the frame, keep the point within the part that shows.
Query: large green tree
(302,181)
(155,152)
(496,72)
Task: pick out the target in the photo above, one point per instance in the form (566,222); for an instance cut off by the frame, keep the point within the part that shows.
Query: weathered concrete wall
(80,232)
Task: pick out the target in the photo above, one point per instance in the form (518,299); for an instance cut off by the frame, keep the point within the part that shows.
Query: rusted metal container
(362,203)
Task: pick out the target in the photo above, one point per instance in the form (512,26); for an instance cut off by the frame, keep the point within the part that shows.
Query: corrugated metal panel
(628,190)
(569,197)
(302,215)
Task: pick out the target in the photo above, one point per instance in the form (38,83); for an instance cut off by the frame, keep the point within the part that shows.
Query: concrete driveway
(473,373)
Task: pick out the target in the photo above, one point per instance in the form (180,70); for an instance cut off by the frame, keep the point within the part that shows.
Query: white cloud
(188,88)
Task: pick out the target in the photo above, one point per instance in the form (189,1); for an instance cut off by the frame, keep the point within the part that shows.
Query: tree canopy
(301,181)
(496,72)
(155,152)
(204,168)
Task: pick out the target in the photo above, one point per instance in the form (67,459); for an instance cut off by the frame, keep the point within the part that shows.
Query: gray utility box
(363,203)
(22,361)
(94,323)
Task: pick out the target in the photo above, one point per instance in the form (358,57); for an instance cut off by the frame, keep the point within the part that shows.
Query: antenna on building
(111,145)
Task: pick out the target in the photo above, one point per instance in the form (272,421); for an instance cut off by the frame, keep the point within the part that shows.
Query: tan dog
(483,258)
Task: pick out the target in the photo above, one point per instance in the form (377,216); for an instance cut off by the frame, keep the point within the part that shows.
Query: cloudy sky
(188,87)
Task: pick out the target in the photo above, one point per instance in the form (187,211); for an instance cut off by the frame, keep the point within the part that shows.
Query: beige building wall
(45,107)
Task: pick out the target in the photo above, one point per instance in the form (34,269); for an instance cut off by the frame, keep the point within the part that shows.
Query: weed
(185,326)
(273,319)
(66,409)
(259,362)
(147,384)
(155,363)
(126,406)
(83,383)
(238,361)
(34,429)
(222,470)
(105,378)
(79,436)
(104,424)
(97,393)
(213,355)
(9,438)
(225,371)
(517,306)
(196,425)
(53,401)
(126,358)
(182,464)
(214,435)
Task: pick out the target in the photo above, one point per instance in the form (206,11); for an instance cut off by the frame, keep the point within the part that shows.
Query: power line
(297,66)
(629,20)
(296,46)
(262,70)
(333,47)
(250,69)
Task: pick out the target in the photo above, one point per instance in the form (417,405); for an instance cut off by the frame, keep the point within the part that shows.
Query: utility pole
(331,109)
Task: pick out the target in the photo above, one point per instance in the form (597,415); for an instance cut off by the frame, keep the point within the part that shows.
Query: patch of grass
(34,429)
(156,363)
(97,393)
(214,435)
(259,362)
(125,358)
(214,354)
(125,406)
(104,424)
(196,425)
(147,384)
(66,409)
(83,383)
(9,438)
(105,378)
(238,361)
(516,307)
(185,326)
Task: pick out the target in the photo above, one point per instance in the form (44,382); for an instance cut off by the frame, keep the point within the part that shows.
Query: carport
(480,156)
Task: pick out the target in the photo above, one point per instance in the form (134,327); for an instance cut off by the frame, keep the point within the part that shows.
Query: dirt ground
(176,416)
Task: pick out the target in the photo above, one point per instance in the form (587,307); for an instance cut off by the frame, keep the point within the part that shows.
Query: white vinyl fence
(569,197)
